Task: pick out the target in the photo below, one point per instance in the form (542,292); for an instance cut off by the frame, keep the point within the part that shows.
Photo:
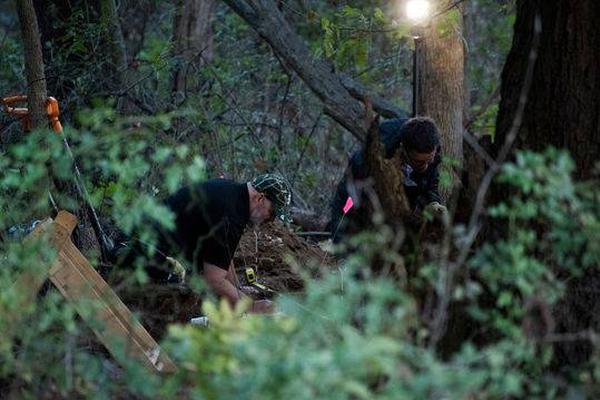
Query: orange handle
(53,113)
(23,113)
(19,112)
(7,103)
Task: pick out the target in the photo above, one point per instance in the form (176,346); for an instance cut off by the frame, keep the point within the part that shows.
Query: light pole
(416,12)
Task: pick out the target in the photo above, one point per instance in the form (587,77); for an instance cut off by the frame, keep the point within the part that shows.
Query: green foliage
(11,68)
(566,211)
(488,46)
(350,340)
(126,172)
(448,165)
(80,35)
(347,36)
(449,22)
(552,228)
(351,333)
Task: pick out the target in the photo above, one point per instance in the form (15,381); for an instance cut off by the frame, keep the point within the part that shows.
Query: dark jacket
(421,188)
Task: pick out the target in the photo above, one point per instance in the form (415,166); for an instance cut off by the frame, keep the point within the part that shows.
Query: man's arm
(232,276)
(221,282)
(217,280)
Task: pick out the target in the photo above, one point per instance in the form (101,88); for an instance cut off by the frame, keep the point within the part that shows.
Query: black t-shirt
(209,221)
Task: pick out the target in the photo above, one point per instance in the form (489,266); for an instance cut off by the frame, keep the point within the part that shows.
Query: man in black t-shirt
(209,221)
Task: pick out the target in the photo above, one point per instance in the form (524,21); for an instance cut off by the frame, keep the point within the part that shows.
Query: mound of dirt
(157,306)
(265,249)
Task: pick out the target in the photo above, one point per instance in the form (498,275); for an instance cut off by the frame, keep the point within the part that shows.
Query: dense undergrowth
(350,334)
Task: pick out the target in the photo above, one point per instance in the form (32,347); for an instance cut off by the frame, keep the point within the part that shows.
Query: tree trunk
(192,38)
(388,179)
(563,104)
(117,52)
(562,109)
(441,88)
(34,64)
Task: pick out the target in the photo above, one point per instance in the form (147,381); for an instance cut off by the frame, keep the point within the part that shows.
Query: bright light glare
(417,10)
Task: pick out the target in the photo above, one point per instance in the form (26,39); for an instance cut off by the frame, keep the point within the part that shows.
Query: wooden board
(110,319)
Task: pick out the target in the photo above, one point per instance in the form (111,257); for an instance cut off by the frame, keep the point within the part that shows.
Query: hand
(262,307)
(435,209)
(249,290)
(178,268)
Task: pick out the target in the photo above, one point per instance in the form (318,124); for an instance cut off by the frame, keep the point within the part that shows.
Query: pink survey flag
(348,205)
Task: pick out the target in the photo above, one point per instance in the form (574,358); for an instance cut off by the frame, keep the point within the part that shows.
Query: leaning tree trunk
(563,104)
(441,91)
(562,110)
(342,96)
(34,64)
(388,179)
(192,38)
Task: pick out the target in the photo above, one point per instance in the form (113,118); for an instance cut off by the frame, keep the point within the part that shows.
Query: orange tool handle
(53,113)
(7,103)
(23,113)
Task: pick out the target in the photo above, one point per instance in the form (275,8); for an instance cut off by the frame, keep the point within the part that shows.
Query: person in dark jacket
(418,141)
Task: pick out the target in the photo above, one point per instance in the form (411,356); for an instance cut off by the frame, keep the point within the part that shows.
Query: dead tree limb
(340,95)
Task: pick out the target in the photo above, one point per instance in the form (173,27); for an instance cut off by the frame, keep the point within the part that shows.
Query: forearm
(232,276)
(221,283)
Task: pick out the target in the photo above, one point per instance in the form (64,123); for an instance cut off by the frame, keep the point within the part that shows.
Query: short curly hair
(420,134)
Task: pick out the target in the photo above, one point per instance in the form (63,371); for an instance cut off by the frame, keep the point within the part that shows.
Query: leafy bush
(350,334)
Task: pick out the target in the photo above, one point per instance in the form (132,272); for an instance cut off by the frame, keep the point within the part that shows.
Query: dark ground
(265,249)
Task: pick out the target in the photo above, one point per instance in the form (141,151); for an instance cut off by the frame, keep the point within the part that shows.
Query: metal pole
(415,80)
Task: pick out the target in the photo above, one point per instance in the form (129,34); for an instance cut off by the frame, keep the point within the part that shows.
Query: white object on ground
(201,321)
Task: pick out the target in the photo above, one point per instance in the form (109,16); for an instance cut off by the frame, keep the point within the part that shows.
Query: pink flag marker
(348,205)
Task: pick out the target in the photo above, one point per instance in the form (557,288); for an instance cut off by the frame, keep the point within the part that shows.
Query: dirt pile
(266,248)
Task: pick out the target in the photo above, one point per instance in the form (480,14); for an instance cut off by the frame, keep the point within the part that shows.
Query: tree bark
(563,110)
(338,94)
(388,178)
(192,38)
(34,64)
(441,89)
(117,51)
(563,105)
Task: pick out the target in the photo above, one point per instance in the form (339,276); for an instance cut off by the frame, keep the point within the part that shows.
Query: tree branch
(340,95)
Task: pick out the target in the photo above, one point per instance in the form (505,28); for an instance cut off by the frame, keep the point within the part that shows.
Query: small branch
(288,86)
(303,151)
(570,337)
(313,233)
(235,107)
(484,107)
(474,144)
(380,105)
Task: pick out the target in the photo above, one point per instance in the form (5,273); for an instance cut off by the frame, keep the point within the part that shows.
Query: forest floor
(269,250)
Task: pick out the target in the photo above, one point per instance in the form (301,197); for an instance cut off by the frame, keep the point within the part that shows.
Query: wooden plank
(110,319)
(29,282)
(107,294)
(82,285)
